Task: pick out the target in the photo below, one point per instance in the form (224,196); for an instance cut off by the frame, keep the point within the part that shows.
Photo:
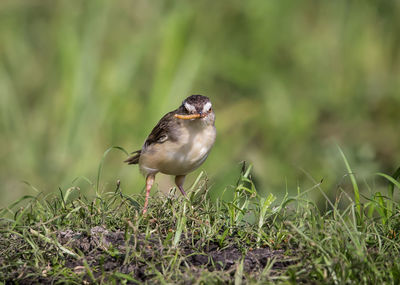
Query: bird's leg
(179,179)
(149,183)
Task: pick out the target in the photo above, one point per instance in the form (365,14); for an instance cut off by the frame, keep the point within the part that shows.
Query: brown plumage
(134,159)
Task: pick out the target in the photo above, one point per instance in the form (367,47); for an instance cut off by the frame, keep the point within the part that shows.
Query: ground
(72,238)
(97,245)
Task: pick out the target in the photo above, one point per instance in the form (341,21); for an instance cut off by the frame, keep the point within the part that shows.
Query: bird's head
(196,107)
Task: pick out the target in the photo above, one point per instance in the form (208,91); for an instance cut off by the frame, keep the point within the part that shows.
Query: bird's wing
(163,131)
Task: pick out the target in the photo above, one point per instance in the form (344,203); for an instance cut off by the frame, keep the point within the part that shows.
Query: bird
(178,144)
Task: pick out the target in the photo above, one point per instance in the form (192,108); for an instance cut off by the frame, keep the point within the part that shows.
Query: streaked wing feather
(163,131)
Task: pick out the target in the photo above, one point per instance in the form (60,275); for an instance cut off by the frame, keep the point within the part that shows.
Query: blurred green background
(288,79)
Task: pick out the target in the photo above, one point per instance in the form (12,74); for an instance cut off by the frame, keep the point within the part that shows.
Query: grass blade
(102,162)
(239,273)
(353,182)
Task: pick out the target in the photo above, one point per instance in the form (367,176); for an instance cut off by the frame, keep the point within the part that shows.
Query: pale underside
(182,156)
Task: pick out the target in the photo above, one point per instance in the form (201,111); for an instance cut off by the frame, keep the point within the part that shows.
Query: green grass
(288,80)
(70,237)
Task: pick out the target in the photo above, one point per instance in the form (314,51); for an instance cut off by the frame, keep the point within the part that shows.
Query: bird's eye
(207,107)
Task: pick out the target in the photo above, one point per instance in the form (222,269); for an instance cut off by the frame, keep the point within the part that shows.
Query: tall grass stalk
(355,186)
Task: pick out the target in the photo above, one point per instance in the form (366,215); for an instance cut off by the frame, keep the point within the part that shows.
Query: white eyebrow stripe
(207,107)
(190,108)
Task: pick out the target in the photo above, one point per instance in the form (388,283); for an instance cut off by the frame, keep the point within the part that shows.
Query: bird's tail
(134,159)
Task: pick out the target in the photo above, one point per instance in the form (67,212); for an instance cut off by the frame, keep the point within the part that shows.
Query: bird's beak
(190,117)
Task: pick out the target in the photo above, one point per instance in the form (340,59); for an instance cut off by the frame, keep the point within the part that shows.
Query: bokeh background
(289,81)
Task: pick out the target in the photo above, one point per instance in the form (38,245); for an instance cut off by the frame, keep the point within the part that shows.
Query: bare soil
(106,250)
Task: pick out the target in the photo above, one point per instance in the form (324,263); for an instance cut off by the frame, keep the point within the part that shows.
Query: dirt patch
(225,259)
(108,251)
(211,257)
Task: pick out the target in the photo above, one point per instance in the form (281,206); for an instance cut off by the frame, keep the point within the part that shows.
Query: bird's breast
(185,154)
